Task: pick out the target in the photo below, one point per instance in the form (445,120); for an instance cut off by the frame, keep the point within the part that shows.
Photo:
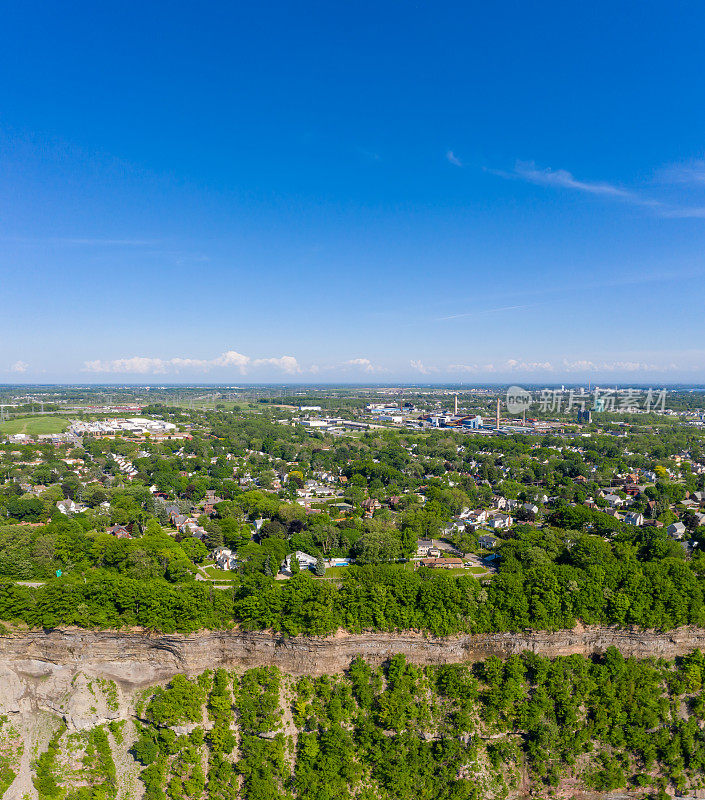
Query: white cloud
(450,156)
(581,365)
(19,366)
(419,366)
(562,178)
(528,366)
(463,368)
(363,363)
(143,365)
(510,365)
(140,365)
(689,173)
(584,365)
(286,364)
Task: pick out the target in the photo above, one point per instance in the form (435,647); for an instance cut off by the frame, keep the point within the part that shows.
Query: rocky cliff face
(138,658)
(85,680)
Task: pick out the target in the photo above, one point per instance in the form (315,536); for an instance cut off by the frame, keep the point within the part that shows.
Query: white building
(305,561)
(634,518)
(676,530)
(225,559)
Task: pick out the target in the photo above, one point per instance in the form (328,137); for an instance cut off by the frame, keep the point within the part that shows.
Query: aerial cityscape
(352,401)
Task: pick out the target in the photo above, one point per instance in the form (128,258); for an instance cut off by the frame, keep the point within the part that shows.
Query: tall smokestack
(456,405)
(498,413)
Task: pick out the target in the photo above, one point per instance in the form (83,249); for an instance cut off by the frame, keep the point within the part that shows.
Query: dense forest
(399,732)
(546,579)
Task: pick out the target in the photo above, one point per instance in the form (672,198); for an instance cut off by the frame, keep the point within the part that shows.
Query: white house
(70,507)
(305,561)
(634,518)
(456,524)
(224,558)
(423,546)
(500,521)
(676,530)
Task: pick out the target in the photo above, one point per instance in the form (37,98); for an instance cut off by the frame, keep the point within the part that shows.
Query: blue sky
(380,192)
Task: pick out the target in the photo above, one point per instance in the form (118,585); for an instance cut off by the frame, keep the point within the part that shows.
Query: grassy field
(34,425)
(219,574)
(335,572)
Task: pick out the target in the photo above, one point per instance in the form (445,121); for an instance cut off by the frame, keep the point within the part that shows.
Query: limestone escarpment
(65,685)
(139,657)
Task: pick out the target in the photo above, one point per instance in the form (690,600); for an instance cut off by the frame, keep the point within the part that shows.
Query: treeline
(546,580)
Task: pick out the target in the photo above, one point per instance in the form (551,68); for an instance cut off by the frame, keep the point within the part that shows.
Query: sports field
(34,425)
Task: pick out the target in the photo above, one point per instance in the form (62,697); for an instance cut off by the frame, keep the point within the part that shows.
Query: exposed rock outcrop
(93,678)
(138,658)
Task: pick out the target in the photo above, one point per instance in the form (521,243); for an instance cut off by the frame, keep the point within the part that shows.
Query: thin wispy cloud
(692,173)
(453,159)
(623,281)
(481,311)
(19,367)
(557,370)
(688,172)
(685,212)
(103,242)
(81,241)
(562,179)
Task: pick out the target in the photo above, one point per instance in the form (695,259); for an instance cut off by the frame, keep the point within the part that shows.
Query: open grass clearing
(219,574)
(33,426)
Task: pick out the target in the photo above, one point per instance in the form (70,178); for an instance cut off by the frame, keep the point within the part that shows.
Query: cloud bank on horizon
(288,367)
(231,359)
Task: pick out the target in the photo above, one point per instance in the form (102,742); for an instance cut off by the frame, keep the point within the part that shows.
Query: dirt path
(286,696)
